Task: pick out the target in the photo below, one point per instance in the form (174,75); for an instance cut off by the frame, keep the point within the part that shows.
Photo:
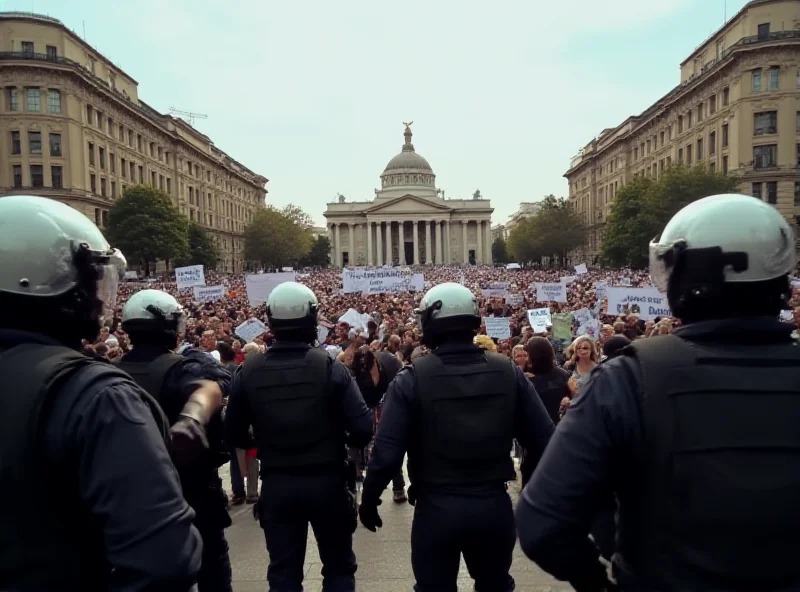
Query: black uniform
(89,499)
(697,434)
(300,403)
(171,379)
(456,412)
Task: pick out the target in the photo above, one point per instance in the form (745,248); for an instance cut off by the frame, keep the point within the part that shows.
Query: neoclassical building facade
(410,222)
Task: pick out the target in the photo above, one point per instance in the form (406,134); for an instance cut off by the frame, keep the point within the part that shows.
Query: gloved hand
(189,442)
(368,513)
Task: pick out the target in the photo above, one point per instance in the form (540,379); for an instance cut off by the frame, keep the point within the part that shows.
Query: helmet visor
(110,270)
(660,271)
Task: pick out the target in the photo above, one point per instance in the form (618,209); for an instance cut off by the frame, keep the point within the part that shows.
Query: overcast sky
(313,94)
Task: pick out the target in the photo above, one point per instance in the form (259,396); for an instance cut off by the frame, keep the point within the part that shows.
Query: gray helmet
(47,249)
(446,308)
(153,311)
(292,306)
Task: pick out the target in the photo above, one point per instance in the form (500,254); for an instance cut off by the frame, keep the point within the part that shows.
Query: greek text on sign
(209,293)
(648,303)
(497,327)
(251,329)
(378,281)
(539,319)
(192,275)
(551,292)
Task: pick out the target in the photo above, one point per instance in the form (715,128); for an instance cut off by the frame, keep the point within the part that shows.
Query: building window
(712,143)
(757,190)
(34,103)
(763,30)
(139,142)
(123,167)
(121,135)
(669,164)
(27,47)
(636,153)
(114,189)
(52,52)
(797,122)
(797,193)
(91,154)
(16,143)
(160,154)
(133,171)
(161,182)
(712,104)
(13,99)
(797,162)
(726,95)
(724,165)
(689,120)
(16,173)
(103,186)
(93,183)
(725,135)
(37,175)
(689,154)
(55,144)
(35,142)
(153,178)
(112,162)
(680,155)
(110,126)
(700,154)
(97,217)
(772,192)
(89,114)
(774,78)
(104,217)
(100,120)
(662,141)
(765,157)
(152,150)
(101,153)
(130,138)
(756,81)
(54,101)
(700,112)
(765,122)
(712,167)
(141,175)
(169,185)
(57,177)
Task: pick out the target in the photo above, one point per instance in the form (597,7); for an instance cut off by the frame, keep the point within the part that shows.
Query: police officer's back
(695,432)
(456,412)
(189,388)
(301,405)
(89,499)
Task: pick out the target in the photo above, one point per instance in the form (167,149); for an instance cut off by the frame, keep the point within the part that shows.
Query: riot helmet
(58,274)
(448,312)
(724,256)
(154,317)
(292,313)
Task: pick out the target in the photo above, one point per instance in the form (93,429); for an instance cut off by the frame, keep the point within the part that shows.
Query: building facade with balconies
(736,109)
(72,127)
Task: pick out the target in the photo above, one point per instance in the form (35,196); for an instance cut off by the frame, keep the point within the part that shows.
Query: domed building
(409,221)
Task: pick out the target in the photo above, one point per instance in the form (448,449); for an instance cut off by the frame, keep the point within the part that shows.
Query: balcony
(756,39)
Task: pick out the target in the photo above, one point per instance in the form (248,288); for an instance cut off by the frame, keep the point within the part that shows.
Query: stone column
(389,260)
(448,245)
(379,244)
(464,250)
(488,252)
(401,243)
(479,240)
(439,255)
(428,243)
(415,230)
(351,254)
(338,261)
(369,243)
(332,239)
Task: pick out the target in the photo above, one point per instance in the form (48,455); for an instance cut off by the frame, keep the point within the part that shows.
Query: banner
(192,275)
(260,285)
(581,269)
(378,281)
(209,294)
(551,292)
(648,303)
(497,327)
(251,329)
(539,319)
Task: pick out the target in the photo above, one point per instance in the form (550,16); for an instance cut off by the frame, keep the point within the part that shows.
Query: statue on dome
(408,125)
(477,194)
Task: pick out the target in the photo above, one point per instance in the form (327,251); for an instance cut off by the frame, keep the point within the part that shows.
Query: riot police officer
(190,389)
(456,412)
(89,499)
(302,407)
(695,432)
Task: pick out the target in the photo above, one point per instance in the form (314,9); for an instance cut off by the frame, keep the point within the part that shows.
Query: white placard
(567,279)
(379,281)
(625,281)
(251,329)
(582,316)
(260,285)
(600,289)
(355,319)
(494,292)
(539,319)
(648,303)
(322,334)
(551,292)
(515,299)
(192,275)
(581,269)
(287,268)
(499,285)
(131,275)
(787,315)
(497,327)
(209,293)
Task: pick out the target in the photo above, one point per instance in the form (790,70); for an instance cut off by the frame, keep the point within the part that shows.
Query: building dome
(408,160)
(408,167)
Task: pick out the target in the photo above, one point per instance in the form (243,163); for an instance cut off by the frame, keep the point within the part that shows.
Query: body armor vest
(714,500)
(48,541)
(150,375)
(295,422)
(467,421)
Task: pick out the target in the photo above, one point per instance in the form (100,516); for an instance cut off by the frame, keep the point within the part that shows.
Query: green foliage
(552,232)
(146,227)
(277,238)
(500,251)
(202,250)
(319,254)
(643,207)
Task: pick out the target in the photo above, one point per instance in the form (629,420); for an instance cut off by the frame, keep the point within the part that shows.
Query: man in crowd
(117,519)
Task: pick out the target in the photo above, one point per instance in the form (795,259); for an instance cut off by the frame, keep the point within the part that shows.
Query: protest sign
(582,316)
(539,319)
(648,303)
(355,319)
(209,293)
(379,281)
(260,285)
(131,275)
(625,281)
(251,329)
(192,275)
(322,333)
(567,279)
(497,327)
(286,269)
(493,292)
(581,269)
(499,286)
(600,289)
(515,299)
(551,292)
(591,328)
(562,326)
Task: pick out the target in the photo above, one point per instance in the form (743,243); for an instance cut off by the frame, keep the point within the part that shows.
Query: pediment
(407,204)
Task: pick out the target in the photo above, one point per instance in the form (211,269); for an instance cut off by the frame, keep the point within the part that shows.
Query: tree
(202,250)
(274,237)
(552,232)
(643,207)
(146,227)
(319,254)
(500,251)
